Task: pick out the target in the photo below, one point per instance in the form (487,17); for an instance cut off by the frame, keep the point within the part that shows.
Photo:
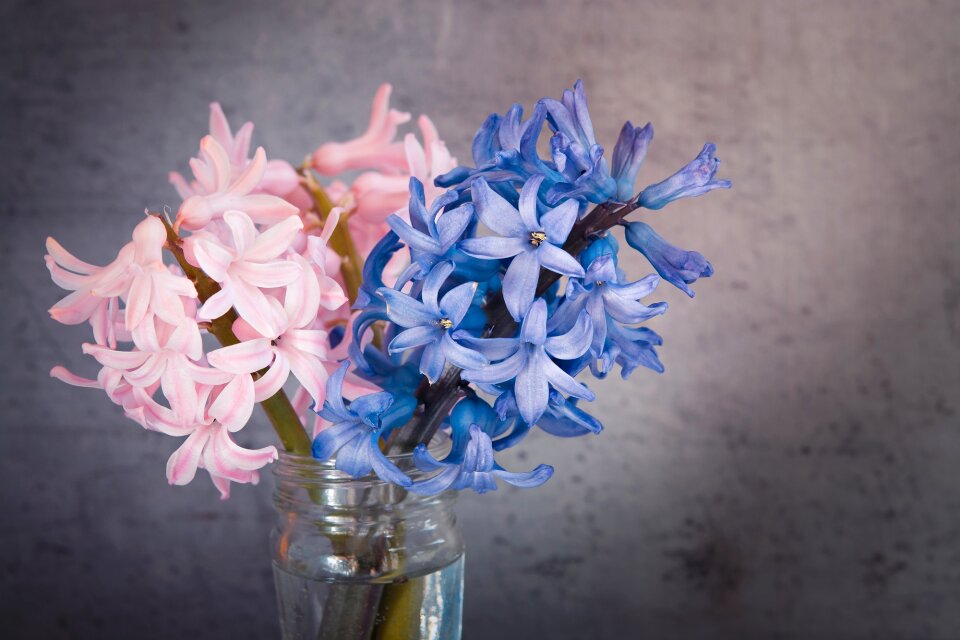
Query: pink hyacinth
(249,261)
(221,192)
(375,149)
(249,232)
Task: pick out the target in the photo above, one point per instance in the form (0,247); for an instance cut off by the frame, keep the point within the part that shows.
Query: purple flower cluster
(527,235)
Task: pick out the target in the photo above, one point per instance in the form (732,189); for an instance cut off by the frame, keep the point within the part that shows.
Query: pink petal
(212,257)
(219,127)
(310,373)
(186,339)
(267,275)
(254,307)
(148,373)
(182,465)
(218,159)
(274,241)
(312,341)
(248,180)
(232,456)
(245,357)
(222,485)
(241,144)
(234,406)
(138,300)
(273,380)
(416,157)
(279,179)
(302,299)
(63,375)
(67,260)
(116,359)
(331,294)
(262,208)
(216,305)
(180,392)
(241,228)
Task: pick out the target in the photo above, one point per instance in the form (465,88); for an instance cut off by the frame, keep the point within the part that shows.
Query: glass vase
(364,559)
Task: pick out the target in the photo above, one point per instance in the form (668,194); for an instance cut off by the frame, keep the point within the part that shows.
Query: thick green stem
(280,412)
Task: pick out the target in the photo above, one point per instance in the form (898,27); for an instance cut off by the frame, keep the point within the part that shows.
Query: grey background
(792,475)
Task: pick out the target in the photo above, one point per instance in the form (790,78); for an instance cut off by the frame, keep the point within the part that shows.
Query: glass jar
(364,559)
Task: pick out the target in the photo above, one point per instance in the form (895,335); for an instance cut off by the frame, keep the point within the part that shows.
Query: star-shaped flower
(470,463)
(354,434)
(431,322)
(532,241)
(527,361)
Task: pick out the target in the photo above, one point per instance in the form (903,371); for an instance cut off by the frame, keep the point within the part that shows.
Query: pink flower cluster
(251,226)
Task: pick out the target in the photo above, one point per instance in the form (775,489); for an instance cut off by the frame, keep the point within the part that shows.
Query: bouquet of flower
(421,297)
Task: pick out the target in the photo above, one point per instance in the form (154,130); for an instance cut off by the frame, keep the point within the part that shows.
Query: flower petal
(496,213)
(404,310)
(520,282)
(414,337)
(557,260)
(494,247)
(244,357)
(234,406)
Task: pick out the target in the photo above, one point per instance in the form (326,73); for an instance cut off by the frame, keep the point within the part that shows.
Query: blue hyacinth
(514,288)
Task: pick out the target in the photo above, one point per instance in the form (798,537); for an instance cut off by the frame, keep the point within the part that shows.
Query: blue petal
(531,388)
(455,302)
(499,372)
(492,348)
(574,343)
(335,388)
(533,330)
(432,284)
(520,283)
(485,143)
(406,311)
(416,239)
(438,483)
(677,266)
(526,480)
(432,361)
(473,411)
(628,155)
(494,247)
(557,260)
(371,406)
(354,457)
(460,356)
(333,438)
(497,214)
(414,337)
(527,206)
(561,381)
(694,179)
(452,224)
(560,220)
(424,460)
(384,468)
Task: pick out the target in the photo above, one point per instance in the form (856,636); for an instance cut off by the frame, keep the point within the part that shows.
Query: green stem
(351,267)
(280,412)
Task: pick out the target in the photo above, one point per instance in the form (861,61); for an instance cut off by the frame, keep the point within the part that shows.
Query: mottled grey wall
(792,475)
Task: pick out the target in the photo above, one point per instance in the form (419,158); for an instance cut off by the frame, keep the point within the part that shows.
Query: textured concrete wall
(792,475)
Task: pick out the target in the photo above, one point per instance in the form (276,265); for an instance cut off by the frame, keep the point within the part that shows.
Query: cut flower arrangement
(398,329)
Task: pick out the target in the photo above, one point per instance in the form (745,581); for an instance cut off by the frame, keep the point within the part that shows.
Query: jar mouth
(299,464)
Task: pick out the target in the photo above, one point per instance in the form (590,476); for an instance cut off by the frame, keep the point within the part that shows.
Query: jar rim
(440,445)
